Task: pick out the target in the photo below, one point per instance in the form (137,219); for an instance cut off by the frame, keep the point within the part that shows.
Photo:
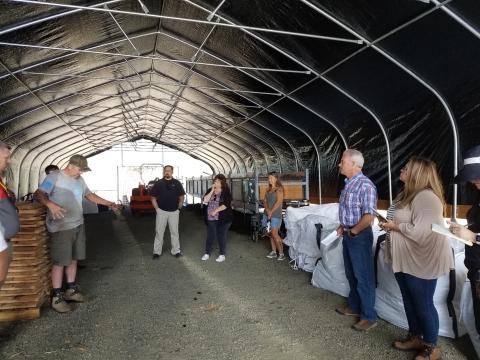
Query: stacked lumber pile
(28,284)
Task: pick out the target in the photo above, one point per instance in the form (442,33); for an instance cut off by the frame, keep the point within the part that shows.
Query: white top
(3,242)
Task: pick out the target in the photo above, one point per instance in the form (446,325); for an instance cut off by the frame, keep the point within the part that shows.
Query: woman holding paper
(419,256)
(471,173)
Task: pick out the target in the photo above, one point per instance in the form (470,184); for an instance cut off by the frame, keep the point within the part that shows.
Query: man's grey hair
(5,146)
(356,157)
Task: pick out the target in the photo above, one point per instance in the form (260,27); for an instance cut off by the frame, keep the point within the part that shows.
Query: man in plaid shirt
(358,200)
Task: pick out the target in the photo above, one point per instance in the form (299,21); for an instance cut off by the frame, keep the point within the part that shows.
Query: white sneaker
(281,257)
(272,255)
(205,257)
(221,258)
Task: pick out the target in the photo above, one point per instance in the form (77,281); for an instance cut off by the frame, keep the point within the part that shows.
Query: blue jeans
(216,230)
(275,223)
(359,269)
(421,313)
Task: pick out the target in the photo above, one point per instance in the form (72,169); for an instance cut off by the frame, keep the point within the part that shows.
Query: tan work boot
(347,311)
(74,294)
(429,352)
(364,325)
(411,342)
(59,304)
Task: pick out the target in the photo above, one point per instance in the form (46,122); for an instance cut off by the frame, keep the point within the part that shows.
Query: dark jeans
(216,230)
(421,313)
(359,269)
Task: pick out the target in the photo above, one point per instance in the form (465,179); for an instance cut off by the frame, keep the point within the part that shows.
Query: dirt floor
(248,307)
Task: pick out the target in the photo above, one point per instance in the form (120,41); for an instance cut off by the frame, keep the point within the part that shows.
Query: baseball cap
(80,161)
(471,166)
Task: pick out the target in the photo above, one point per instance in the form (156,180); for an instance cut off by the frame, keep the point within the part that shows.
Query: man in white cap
(62,193)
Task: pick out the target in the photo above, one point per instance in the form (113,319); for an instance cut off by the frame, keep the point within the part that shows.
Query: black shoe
(178,254)
(155,257)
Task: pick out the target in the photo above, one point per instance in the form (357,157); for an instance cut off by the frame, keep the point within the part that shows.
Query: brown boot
(347,311)
(364,325)
(429,352)
(411,342)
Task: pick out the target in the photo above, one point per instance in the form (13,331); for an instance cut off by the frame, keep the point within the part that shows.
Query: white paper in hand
(446,232)
(327,240)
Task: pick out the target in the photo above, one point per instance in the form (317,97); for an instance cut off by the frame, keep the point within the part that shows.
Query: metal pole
(118,183)
(257,193)
(307,185)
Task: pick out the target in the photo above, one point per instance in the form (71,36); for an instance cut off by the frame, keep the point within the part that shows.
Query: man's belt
(348,228)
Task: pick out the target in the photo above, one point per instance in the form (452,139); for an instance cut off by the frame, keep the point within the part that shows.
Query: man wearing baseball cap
(470,172)
(62,193)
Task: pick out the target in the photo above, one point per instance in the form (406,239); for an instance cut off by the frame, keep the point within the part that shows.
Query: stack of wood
(28,284)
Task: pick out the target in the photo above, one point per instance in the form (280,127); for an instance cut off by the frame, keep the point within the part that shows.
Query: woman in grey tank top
(273,212)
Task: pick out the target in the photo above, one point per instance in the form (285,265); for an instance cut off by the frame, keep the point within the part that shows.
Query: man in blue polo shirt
(358,201)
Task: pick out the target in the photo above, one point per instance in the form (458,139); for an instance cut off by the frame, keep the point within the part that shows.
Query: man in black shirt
(167,197)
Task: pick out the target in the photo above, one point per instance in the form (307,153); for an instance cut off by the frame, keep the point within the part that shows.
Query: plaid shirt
(359,197)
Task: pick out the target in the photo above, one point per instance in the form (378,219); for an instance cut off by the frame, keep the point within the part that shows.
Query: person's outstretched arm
(99,200)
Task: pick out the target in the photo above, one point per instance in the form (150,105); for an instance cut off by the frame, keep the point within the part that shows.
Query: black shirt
(472,253)
(167,193)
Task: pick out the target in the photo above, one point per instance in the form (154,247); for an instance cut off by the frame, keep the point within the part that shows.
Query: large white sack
(305,251)
(302,233)
(294,215)
(468,318)
(389,303)
(301,261)
(329,273)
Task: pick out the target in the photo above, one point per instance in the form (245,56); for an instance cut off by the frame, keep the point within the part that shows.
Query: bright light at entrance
(115,172)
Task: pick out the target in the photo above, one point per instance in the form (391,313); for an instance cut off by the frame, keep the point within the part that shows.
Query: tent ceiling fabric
(243,85)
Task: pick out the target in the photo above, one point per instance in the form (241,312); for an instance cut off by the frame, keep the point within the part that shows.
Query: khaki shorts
(67,245)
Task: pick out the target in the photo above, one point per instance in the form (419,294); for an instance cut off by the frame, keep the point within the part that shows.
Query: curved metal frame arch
(137,74)
(316,149)
(294,125)
(408,70)
(233,158)
(131,90)
(215,156)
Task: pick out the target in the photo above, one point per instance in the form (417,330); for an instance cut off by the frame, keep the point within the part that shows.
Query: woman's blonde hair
(422,175)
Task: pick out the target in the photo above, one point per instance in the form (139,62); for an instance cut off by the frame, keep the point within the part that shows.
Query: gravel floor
(248,307)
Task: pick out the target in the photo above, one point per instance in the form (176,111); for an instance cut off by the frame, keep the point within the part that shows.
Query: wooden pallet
(27,286)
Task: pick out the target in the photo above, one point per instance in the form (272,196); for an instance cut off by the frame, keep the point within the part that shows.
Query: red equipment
(140,200)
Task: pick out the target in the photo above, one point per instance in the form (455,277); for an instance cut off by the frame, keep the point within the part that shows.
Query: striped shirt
(388,240)
(358,197)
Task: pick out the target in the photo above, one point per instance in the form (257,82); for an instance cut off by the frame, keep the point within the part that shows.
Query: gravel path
(248,307)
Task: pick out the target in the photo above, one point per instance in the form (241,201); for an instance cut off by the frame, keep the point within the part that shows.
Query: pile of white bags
(328,269)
